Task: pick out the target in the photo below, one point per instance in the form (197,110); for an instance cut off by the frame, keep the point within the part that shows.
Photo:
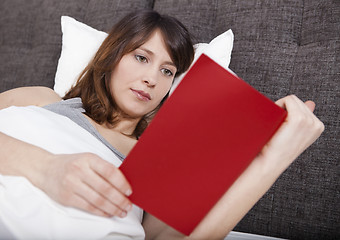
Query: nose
(149,83)
(150,79)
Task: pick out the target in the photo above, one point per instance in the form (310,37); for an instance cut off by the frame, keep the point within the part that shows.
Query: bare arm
(299,131)
(13,161)
(38,96)
(82,180)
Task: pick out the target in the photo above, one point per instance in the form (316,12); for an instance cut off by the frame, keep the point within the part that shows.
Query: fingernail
(128,207)
(123,214)
(128,192)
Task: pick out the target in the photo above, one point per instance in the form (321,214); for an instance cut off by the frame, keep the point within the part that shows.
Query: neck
(126,126)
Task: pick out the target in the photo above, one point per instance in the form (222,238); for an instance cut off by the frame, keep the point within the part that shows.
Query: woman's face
(143,77)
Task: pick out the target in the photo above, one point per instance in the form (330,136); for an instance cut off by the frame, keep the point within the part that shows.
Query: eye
(141,58)
(167,72)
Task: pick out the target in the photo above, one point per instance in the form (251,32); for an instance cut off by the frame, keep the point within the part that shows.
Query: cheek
(164,88)
(169,85)
(123,68)
(122,73)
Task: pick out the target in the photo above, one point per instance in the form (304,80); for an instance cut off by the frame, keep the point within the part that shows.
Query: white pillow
(80,42)
(219,49)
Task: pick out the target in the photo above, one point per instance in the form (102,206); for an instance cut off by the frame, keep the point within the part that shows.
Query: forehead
(156,45)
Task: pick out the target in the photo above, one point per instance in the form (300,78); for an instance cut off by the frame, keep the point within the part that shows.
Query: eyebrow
(152,53)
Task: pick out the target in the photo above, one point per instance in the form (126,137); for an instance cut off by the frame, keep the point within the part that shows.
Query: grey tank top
(73,109)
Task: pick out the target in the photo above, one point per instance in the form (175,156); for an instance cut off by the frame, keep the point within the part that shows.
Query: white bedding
(27,212)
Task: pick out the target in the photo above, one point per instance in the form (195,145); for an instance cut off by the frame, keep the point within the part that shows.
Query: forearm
(19,158)
(238,200)
(300,129)
(253,183)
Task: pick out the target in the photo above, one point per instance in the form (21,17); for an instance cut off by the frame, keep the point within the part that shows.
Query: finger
(96,200)
(281,103)
(112,175)
(80,203)
(310,105)
(108,191)
(285,102)
(297,107)
(300,113)
(294,105)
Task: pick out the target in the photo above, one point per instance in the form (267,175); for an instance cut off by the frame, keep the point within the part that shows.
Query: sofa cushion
(31,37)
(281,48)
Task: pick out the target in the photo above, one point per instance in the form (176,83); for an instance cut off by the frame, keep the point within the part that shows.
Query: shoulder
(24,96)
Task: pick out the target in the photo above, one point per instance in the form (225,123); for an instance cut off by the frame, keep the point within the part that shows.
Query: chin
(134,114)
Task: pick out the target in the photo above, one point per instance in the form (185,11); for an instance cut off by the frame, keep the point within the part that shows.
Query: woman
(120,90)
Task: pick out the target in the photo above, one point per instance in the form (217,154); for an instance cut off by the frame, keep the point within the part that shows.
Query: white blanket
(27,212)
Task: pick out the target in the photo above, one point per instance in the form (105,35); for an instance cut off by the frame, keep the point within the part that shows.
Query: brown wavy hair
(132,31)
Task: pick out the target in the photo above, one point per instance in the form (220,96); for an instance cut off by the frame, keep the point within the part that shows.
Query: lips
(141,95)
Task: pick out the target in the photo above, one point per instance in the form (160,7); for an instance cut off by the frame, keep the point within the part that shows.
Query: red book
(204,136)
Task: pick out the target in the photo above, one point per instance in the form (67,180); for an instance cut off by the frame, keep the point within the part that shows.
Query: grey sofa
(281,47)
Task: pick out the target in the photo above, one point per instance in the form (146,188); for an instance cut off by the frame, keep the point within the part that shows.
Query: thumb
(310,105)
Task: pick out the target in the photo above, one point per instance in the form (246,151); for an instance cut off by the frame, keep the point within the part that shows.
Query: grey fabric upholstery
(280,48)
(31,34)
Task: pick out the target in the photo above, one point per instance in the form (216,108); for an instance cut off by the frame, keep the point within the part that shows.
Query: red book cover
(204,136)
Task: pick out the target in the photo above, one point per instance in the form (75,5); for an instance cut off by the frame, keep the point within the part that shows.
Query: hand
(299,130)
(87,182)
